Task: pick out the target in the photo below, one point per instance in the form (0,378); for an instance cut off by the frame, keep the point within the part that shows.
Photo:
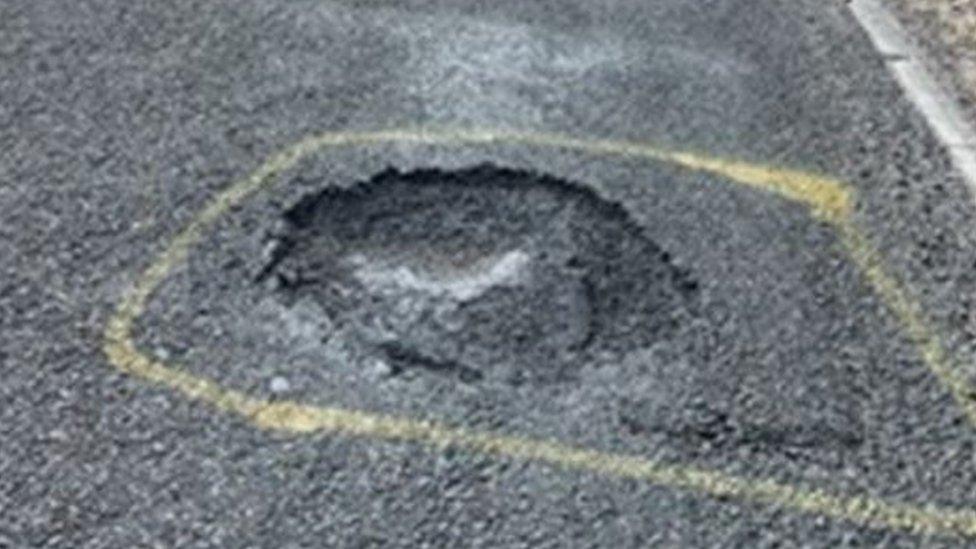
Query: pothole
(484,273)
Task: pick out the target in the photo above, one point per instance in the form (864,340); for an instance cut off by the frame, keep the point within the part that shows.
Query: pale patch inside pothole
(465,284)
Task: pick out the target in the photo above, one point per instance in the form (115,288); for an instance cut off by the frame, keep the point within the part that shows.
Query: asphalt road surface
(490,274)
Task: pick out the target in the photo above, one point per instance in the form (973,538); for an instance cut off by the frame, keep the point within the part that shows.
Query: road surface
(487,274)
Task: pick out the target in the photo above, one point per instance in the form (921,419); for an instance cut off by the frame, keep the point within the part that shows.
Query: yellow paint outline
(828,200)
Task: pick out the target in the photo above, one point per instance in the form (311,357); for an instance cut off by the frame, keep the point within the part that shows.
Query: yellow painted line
(827,199)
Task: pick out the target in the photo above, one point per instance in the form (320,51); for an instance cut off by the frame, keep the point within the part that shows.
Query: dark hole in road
(480,273)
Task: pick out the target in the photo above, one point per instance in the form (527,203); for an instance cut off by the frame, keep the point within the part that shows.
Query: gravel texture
(947,31)
(121,119)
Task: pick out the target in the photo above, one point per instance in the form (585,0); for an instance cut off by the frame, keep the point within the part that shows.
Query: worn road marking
(908,63)
(827,199)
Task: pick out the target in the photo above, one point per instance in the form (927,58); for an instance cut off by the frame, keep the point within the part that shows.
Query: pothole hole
(483,273)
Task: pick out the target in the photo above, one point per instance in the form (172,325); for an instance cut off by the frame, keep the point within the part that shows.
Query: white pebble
(280,385)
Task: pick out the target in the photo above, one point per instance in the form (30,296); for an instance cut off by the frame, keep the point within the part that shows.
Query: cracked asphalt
(622,305)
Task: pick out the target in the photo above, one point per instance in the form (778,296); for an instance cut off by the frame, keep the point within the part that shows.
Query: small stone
(381,369)
(280,385)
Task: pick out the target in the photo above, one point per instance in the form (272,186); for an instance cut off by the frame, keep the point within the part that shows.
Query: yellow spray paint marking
(827,199)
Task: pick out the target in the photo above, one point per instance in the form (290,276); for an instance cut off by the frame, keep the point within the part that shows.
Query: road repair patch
(495,284)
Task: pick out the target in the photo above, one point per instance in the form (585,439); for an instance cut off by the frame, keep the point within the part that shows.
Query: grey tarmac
(544,339)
